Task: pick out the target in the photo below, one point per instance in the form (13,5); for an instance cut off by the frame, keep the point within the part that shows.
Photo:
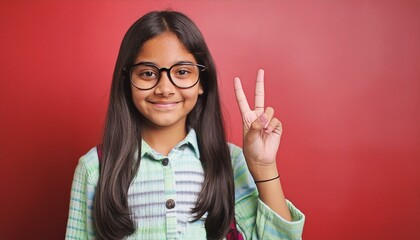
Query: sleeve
(79,224)
(254,219)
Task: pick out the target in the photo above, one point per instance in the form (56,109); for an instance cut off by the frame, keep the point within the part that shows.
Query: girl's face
(165,105)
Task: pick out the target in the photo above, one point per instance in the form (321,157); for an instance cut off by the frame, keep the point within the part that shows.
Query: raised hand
(261,131)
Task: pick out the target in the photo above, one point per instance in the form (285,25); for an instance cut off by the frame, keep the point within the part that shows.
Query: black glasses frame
(129,70)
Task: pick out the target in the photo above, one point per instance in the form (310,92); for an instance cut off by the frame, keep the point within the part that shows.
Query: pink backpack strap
(233,233)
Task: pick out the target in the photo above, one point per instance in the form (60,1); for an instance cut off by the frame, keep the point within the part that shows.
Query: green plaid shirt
(164,191)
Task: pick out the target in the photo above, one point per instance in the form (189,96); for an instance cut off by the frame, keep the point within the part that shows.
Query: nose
(164,87)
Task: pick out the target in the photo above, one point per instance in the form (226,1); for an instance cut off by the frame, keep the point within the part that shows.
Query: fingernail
(263,120)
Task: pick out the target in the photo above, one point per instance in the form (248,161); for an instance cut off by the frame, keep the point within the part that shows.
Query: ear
(200,89)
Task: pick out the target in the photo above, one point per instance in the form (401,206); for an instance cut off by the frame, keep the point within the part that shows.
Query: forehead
(164,50)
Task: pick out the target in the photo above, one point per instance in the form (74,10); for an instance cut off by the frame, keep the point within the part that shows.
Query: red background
(343,76)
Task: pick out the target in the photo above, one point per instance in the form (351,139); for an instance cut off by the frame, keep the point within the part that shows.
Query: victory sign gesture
(261,140)
(261,131)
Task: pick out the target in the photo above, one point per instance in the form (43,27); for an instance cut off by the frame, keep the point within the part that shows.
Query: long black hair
(122,138)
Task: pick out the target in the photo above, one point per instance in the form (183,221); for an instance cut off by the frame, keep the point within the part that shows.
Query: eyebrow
(154,64)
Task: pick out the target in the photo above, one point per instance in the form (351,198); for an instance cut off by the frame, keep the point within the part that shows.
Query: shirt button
(165,162)
(170,204)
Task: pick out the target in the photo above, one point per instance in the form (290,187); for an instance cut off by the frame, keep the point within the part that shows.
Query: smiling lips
(161,104)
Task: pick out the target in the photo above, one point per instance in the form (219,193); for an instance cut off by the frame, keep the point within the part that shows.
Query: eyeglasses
(145,76)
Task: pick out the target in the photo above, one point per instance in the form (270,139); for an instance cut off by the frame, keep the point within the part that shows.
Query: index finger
(240,97)
(259,93)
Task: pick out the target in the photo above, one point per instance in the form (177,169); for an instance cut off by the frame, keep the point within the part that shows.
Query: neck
(163,140)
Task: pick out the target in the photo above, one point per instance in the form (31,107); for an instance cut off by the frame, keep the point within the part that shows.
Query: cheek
(192,97)
(137,97)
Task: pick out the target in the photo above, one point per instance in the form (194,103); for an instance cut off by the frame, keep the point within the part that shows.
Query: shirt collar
(190,140)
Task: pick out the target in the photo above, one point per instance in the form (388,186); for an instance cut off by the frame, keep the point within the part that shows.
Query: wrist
(267,180)
(262,173)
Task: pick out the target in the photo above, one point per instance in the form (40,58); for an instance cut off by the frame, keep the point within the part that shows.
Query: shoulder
(236,153)
(244,183)
(89,165)
(234,149)
(90,159)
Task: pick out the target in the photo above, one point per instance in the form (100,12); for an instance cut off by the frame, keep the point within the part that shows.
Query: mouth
(162,104)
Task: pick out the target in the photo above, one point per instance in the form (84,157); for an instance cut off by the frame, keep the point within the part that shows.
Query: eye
(183,72)
(148,74)
(143,72)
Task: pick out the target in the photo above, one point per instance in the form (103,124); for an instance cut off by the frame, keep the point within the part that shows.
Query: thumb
(258,125)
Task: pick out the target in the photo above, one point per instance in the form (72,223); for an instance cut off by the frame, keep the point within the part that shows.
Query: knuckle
(259,92)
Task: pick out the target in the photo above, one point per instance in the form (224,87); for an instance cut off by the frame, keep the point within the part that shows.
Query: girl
(164,169)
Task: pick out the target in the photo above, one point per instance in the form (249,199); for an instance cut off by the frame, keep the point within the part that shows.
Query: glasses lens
(144,76)
(185,75)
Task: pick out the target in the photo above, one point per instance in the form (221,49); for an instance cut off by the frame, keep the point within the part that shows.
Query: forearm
(271,192)
(257,220)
